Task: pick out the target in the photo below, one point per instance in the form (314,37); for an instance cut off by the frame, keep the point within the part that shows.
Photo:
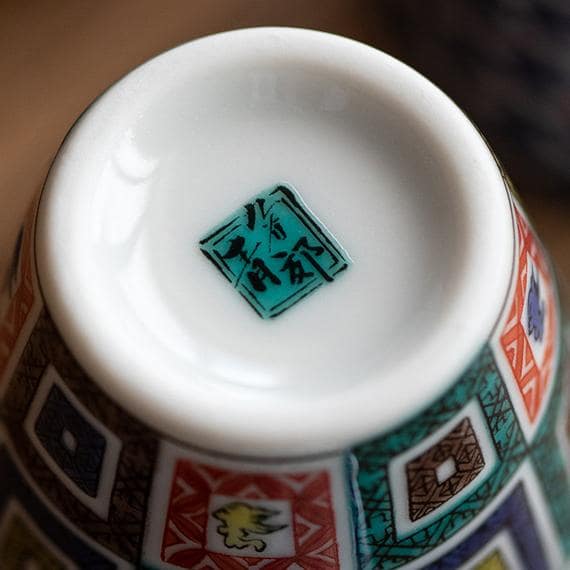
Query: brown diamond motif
(442,471)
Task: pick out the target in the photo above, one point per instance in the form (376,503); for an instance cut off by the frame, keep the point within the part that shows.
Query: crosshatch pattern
(91,465)
(483,382)
(380,545)
(122,530)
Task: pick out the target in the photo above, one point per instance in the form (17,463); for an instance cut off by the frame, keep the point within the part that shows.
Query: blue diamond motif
(71,441)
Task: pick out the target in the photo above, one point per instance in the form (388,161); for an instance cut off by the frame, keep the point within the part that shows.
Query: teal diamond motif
(274,251)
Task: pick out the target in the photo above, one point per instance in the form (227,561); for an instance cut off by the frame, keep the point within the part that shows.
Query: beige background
(56,56)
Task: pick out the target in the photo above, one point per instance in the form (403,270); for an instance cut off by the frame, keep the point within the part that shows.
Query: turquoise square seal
(274,251)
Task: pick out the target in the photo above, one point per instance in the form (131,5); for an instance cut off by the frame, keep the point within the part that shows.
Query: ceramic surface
(383,164)
(274,252)
(472,473)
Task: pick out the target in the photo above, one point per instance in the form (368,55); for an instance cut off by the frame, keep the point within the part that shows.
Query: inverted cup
(287,311)
(383,161)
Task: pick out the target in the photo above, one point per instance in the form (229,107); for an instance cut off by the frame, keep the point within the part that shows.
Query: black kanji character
(260,272)
(257,208)
(237,249)
(294,266)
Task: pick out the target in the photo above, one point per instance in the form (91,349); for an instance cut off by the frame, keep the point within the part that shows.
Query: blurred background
(505,62)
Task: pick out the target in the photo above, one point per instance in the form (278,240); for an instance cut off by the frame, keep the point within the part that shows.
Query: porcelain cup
(279,307)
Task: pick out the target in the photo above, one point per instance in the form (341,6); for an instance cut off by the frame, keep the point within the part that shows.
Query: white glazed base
(382,158)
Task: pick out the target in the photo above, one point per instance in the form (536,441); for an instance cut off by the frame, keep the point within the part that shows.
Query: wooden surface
(56,57)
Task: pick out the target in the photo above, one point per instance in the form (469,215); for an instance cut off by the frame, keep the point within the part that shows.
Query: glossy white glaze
(385,161)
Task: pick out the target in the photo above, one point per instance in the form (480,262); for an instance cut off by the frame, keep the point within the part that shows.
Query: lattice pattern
(380,545)
(121,531)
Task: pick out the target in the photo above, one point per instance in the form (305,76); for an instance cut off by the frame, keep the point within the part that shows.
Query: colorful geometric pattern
(115,516)
(274,251)
(551,462)
(73,443)
(528,339)
(213,520)
(23,296)
(58,537)
(443,470)
(446,487)
(454,470)
(381,545)
(513,516)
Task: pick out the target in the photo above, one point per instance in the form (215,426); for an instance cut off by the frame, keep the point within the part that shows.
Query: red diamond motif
(531,374)
(185,536)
